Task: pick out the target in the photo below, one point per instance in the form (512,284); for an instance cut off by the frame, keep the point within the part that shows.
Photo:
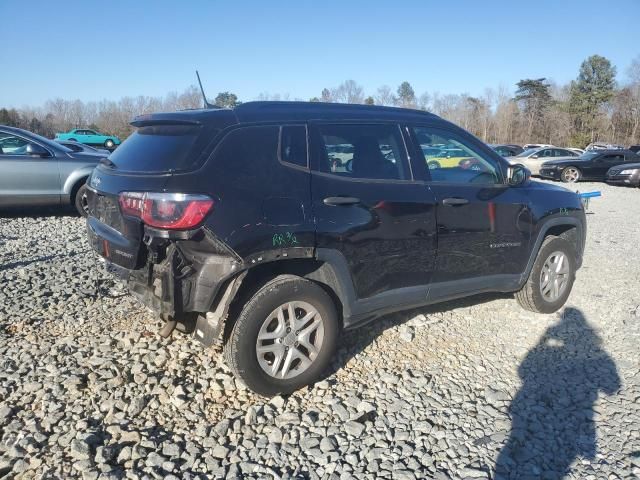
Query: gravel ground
(469,389)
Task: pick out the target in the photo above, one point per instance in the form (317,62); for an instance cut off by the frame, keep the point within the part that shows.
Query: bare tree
(385,96)
(348,92)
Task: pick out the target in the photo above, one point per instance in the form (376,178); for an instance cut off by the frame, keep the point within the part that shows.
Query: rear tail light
(172,211)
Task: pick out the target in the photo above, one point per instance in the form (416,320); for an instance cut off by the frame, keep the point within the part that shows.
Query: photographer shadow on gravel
(552,420)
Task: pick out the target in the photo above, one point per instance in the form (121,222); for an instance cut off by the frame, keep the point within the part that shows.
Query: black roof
(278,111)
(619,151)
(288,111)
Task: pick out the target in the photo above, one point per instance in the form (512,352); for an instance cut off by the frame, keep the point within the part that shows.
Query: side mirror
(518,174)
(535,156)
(35,150)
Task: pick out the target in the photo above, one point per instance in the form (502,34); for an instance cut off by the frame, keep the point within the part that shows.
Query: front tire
(284,336)
(80,201)
(570,175)
(109,144)
(551,278)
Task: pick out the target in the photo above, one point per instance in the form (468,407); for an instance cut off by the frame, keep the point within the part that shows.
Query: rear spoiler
(162,119)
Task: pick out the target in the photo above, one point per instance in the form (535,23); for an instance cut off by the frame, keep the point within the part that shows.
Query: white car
(533,158)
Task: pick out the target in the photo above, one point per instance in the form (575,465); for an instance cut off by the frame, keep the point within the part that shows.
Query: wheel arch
(328,269)
(74,182)
(569,228)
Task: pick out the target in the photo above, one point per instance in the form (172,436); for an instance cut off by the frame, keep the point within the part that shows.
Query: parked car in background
(37,171)
(529,146)
(535,157)
(627,174)
(592,165)
(507,150)
(252,238)
(89,137)
(603,146)
(81,147)
(448,157)
(635,148)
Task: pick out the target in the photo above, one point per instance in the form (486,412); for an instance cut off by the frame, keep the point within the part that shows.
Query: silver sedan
(533,158)
(37,171)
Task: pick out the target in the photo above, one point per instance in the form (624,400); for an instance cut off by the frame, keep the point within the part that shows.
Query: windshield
(157,148)
(588,155)
(50,143)
(528,152)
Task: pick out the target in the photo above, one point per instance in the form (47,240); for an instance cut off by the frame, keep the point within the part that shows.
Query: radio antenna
(204,97)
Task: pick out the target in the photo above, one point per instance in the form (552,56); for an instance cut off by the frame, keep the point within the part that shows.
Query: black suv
(241,225)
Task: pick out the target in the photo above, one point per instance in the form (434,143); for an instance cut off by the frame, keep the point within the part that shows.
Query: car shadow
(552,415)
(24,263)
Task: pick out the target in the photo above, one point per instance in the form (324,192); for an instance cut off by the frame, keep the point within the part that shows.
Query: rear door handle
(337,201)
(453,201)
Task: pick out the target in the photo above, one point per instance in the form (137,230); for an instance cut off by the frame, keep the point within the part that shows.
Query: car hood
(550,187)
(627,166)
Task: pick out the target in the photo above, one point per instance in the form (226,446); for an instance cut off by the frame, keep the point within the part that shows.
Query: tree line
(593,107)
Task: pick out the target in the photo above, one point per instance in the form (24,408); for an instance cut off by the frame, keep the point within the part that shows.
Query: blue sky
(93,50)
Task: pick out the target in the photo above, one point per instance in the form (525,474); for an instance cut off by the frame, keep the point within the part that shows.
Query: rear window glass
(160,148)
(293,145)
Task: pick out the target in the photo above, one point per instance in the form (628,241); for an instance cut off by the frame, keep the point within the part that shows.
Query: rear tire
(538,295)
(433,164)
(80,201)
(292,354)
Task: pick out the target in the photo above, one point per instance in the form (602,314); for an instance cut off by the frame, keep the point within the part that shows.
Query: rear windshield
(160,148)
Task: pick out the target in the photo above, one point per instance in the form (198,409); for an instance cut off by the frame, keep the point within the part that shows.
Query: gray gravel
(467,390)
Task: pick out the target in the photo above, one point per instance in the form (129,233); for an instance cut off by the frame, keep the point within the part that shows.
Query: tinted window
(614,158)
(293,145)
(363,151)
(158,148)
(504,151)
(74,147)
(547,152)
(527,152)
(462,163)
(559,152)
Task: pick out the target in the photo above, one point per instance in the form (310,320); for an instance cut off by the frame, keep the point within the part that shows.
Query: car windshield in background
(49,143)
(157,148)
(589,155)
(528,152)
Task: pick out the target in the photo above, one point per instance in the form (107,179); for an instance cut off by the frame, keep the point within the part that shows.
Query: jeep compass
(239,225)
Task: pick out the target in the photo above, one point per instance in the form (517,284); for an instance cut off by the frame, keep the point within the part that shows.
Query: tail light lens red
(171,211)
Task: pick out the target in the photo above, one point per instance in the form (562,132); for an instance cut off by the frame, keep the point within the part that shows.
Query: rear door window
(161,148)
(293,145)
(374,151)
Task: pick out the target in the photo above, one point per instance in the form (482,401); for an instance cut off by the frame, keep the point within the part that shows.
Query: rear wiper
(107,163)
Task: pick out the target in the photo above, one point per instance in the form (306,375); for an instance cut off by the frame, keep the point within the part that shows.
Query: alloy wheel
(570,175)
(84,202)
(290,340)
(554,277)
